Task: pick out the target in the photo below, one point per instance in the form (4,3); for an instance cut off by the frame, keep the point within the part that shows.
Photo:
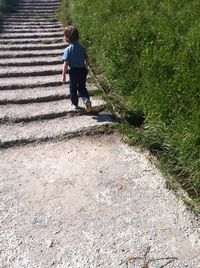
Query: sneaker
(74,107)
(88,106)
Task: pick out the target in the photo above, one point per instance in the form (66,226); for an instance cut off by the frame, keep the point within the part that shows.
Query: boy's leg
(73,83)
(82,85)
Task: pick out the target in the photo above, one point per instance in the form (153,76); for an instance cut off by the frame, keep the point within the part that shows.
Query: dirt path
(82,202)
(90,202)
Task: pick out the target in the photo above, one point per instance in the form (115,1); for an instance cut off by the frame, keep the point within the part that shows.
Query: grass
(146,56)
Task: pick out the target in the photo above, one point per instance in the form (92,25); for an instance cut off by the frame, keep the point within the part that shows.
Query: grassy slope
(149,53)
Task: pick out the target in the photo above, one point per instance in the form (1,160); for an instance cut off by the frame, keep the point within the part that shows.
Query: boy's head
(71,34)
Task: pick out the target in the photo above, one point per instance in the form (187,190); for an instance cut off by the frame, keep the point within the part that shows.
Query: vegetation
(148,54)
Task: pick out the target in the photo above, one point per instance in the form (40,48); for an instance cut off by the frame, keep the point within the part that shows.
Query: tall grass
(149,53)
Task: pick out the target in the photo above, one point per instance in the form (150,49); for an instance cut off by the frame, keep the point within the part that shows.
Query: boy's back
(75,54)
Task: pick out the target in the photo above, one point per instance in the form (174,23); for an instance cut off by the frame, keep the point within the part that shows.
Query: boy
(76,59)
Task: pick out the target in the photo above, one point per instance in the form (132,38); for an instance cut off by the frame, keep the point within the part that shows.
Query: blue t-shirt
(75,54)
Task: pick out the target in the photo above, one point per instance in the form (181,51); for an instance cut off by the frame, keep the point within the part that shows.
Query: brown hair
(71,34)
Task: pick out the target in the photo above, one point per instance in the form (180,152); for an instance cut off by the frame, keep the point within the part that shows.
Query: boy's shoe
(74,107)
(88,106)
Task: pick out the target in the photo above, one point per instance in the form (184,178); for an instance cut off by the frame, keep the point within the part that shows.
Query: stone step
(41,94)
(16,113)
(25,71)
(27,54)
(29,20)
(30,47)
(29,27)
(33,30)
(31,61)
(30,24)
(31,41)
(23,13)
(33,16)
(30,82)
(28,7)
(54,129)
(35,2)
(30,35)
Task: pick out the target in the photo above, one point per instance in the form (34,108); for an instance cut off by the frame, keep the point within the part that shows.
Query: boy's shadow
(97,114)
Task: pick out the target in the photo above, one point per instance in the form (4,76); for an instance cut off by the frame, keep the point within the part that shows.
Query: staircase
(34,104)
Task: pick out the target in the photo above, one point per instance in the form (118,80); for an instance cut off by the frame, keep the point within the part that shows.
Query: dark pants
(77,82)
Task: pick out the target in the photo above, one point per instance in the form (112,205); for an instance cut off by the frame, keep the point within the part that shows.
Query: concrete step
(30,82)
(28,7)
(31,11)
(43,110)
(25,71)
(32,31)
(41,27)
(31,41)
(30,14)
(35,2)
(41,94)
(30,35)
(30,47)
(30,24)
(30,54)
(35,19)
(54,129)
(31,61)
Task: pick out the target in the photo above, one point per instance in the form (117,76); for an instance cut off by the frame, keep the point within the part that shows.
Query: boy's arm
(65,69)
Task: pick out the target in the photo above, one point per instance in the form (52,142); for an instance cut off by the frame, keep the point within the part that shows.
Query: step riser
(48,116)
(39,73)
(29,6)
(25,48)
(30,20)
(32,31)
(34,41)
(34,7)
(18,56)
(29,27)
(23,13)
(21,86)
(34,36)
(38,2)
(38,117)
(22,64)
(43,95)
(36,100)
(95,130)
(30,24)
(31,17)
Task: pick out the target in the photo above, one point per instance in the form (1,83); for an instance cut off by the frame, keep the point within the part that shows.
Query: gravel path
(68,199)
(90,202)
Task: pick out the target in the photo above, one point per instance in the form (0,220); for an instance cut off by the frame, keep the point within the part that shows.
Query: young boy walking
(76,64)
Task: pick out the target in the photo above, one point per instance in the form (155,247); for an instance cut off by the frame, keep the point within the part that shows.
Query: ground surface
(90,202)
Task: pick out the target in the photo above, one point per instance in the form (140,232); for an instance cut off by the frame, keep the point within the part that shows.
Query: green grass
(147,53)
